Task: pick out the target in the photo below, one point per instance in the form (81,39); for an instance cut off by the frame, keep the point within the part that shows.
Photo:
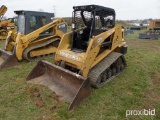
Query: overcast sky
(125,9)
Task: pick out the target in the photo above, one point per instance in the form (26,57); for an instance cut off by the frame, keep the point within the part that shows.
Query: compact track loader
(36,37)
(5,25)
(91,55)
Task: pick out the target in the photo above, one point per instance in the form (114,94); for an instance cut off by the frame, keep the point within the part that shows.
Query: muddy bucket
(68,85)
(7,59)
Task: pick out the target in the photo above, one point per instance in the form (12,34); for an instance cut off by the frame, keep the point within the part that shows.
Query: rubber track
(96,71)
(27,50)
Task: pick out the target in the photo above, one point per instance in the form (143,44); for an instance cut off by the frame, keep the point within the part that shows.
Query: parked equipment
(5,25)
(3,10)
(128,32)
(148,35)
(135,28)
(36,37)
(153,32)
(92,54)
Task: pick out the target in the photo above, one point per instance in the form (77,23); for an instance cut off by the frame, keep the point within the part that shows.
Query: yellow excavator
(5,25)
(37,36)
(91,55)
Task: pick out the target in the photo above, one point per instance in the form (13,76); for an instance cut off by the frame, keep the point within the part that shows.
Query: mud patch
(43,98)
(1,61)
(53,108)
(38,101)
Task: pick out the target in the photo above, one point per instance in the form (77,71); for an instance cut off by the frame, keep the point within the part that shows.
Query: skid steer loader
(91,55)
(36,37)
(5,25)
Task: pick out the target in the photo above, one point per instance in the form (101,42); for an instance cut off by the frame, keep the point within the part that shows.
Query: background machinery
(92,54)
(37,36)
(5,25)
(153,32)
(3,10)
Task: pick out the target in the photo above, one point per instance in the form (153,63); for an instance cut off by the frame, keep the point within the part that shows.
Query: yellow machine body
(17,43)
(24,41)
(90,55)
(6,25)
(86,60)
(154,23)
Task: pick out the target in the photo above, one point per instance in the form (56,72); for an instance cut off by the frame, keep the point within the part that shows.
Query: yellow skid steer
(91,55)
(37,36)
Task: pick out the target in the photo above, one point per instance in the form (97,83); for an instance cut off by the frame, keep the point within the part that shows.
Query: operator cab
(29,21)
(89,21)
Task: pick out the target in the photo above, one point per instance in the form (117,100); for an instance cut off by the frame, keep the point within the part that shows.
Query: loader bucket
(7,59)
(67,85)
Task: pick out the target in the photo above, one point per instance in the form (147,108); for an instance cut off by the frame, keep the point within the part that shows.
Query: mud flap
(7,59)
(69,86)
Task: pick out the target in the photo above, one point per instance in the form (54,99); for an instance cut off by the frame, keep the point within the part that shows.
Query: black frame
(96,10)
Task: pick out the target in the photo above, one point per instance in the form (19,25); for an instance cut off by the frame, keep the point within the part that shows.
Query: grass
(136,88)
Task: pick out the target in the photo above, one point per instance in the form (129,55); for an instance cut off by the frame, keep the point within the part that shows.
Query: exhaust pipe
(69,86)
(7,59)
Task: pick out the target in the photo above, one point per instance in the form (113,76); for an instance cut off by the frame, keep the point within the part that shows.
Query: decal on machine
(99,40)
(10,27)
(67,55)
(62,26)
